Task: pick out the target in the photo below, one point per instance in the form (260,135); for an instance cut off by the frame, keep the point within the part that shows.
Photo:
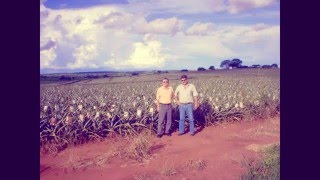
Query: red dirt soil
(220,148)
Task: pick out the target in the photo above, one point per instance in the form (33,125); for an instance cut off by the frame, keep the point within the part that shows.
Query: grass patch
(139,147)
(145,176)
(168,170)
(268,167)
(75,162)
(196,164)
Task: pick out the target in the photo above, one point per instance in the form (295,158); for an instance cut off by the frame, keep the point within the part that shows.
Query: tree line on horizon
(235,63)
(225,64)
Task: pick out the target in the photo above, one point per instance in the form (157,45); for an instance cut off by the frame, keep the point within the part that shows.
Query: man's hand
(177,102)
(158,108)
(196,105)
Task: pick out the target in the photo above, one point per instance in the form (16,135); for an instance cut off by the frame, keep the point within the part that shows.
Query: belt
(187,103)
(165,104)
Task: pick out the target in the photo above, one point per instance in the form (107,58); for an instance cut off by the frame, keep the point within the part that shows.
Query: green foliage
(274,65)
(225,64)
(235,63)
(266,168)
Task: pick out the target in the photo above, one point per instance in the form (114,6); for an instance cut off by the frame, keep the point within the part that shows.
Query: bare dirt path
(213,153)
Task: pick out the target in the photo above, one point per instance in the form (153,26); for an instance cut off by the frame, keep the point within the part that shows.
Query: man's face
(165,83)
(184,81)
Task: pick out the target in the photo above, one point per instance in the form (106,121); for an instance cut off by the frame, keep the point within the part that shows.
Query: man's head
(184,79)
(165,82)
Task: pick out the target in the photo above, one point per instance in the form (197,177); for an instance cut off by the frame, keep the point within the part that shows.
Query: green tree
(274,65)
(225,64)
(235,63)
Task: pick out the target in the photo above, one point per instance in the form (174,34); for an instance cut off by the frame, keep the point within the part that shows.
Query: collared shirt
(165,95)
(186,93)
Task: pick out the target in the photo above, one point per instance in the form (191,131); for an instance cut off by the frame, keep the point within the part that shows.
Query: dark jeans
(165,109)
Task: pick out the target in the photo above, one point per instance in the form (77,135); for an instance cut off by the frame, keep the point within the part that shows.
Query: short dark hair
(184,76)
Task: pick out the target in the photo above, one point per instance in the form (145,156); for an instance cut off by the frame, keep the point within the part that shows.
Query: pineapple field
(94,110)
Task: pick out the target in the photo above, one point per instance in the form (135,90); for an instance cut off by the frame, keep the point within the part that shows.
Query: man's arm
(195,98)
(196,102)
(176,96)
(157,100)
(172,94)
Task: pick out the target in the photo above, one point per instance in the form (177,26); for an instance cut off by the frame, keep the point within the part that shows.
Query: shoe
(159,136)
(192,134)
(179,134)
(168,134)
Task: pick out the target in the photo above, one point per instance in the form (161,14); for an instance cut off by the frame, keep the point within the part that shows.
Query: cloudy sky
(96,35)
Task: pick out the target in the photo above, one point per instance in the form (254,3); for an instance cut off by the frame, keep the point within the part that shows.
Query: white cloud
(84,55)
(73,34)
(47,57)
(116,20)
(177,6)
(138,24)
(200,29)
(84,37)
(253,42)
(159,26)
(47,51)
(244,33)
(236,6)
(113,37)
(47,43)
(197,46)
(196,6)
(145,54)
(250,43)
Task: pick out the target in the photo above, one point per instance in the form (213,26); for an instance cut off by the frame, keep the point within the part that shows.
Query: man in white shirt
(186,97)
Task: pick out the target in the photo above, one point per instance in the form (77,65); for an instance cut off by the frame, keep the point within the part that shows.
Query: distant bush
(160,72)
(65,78)
(243,67)
(134,74)
(256,66)
(92,76)
(184,70)
(201,69)
(212,68)
(266,66)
